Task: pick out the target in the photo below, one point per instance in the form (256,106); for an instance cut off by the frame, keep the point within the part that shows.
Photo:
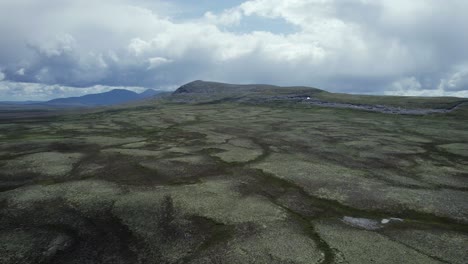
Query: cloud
(229,17)
(15,91)
(157,61)
(455,84)
(457,80)
(405,84)
(2,76)
(350,46)
(21,71)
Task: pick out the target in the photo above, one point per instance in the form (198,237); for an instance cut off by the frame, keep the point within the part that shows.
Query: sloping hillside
(213,92)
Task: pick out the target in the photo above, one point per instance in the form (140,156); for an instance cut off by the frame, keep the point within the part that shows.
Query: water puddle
(369,224)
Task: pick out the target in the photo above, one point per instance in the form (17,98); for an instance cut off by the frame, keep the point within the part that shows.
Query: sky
(60,48)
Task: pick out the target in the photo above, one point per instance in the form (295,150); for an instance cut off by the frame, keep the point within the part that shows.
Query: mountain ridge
(200,86)
(113,97)
(203,92)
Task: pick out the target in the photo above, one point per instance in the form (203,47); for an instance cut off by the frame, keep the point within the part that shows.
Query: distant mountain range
(116,96)
(19,102)
(113,97)
(203,92)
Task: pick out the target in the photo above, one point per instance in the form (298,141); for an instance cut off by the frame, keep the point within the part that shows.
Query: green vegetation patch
(444,202)
(397,101)
(445,245)
(278,243)
(111,141)
(233,153)
(89,169)
(44,163)
(174,170)
(456,148)
(29,246)
(215,199)
(321,179)
(135,152)
(377,146)
(89,197)
(453,176)
(361,246)
(357,189)
(275,243)
(136,145)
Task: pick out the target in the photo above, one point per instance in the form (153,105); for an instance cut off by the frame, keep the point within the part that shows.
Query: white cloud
(157,61)
(20,71)
(229,17)
(352,45)
(137,46)
(40,92)
(2,76)
(457,80)
(456,85)
(405,84)
(56,46)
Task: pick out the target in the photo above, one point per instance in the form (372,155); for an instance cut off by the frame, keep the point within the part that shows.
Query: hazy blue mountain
(116,96)
(19,102)
(149,93)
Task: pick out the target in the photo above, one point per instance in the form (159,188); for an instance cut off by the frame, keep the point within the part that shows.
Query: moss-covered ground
(234,183)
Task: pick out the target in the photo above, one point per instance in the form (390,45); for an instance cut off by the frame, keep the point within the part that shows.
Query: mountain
(209,92)
(113,97)
(203,87)
(149,93)
(19,102)
(202,92)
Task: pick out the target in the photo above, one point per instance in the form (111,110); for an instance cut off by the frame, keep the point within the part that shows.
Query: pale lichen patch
(111,141)
(134,152)
(237,154)
(456,148)
(44,163)
(362,246)
(272,243)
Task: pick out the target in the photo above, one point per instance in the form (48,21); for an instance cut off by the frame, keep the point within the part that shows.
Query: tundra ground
(234,183)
